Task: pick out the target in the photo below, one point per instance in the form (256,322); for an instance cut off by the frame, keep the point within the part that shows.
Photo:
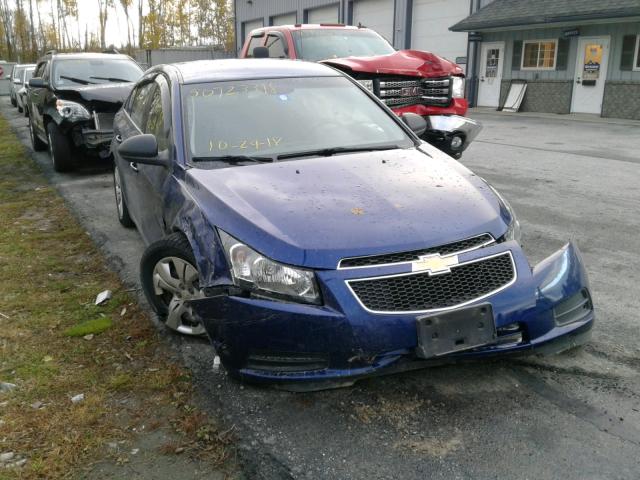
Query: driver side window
(155,122)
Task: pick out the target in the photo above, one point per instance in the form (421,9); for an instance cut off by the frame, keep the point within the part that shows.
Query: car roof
(246,69)
(311,26)
(88,55)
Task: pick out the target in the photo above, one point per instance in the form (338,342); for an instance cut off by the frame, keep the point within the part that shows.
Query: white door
(491,61)
(286,19)
(591,73)
(252,25)
(430,27)
(323,15)
(376,15)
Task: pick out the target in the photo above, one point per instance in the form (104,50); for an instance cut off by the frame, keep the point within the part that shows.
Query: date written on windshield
(230,90)
(252,144)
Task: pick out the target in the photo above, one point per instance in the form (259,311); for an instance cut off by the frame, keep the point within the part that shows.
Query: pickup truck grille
(402,91)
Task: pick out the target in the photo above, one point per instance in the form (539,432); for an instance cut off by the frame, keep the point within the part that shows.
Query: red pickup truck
(406,80)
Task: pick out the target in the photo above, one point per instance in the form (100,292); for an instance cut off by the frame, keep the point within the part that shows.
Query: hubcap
(175,281)
(118,190)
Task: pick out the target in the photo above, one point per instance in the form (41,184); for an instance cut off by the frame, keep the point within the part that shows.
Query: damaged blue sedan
(313,236)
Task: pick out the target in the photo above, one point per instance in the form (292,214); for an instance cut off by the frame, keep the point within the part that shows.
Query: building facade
(416,24)
(575,56)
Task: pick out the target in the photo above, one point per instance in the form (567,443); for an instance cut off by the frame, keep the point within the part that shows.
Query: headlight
(250,269)
(72,110)
(457,87)
(513,231)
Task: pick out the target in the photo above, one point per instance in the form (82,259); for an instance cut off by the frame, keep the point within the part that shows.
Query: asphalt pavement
(571,416)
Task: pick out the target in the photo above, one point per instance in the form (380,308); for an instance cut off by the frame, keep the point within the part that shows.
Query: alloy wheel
(118,191)
(176,282)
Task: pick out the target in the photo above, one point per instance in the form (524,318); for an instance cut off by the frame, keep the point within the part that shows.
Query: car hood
(403,62)
(313,212)
(106,95)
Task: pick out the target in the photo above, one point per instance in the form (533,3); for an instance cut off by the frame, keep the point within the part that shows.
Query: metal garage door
(323,14)
(375,14)
(430,27)
(286,19)
(251,25)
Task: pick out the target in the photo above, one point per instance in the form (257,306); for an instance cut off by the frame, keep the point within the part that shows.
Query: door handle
(133,166)
(118,138)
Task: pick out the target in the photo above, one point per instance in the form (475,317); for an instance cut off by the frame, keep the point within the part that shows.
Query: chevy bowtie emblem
(434,264)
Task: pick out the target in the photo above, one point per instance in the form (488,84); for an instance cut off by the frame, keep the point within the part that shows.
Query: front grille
(416,292)
(400,91)
(104,121)
(411,256)
(286,362)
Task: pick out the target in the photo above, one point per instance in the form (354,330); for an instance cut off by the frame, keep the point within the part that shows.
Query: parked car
(16,82)
(21,95)
(406,80)
(315,238)
(72,100)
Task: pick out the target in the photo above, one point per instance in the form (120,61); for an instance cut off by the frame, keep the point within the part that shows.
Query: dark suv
(72,100)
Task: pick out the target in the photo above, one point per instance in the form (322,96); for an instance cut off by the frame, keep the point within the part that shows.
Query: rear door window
(155,119)
(139,99)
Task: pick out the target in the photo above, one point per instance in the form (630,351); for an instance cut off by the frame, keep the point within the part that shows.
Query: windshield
(89,71)
(284,116)
(17,73)
(321,44)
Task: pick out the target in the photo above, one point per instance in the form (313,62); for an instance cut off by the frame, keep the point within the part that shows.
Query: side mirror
(142,149)
(37,82)
(415,122)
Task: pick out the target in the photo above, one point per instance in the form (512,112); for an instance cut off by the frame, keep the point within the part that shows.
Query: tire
(121,203)
(169,278)
(26,112)
(37,144)
(20,109)
(14,102)
(59,149)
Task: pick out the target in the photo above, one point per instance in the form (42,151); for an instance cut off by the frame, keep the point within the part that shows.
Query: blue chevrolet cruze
(306,229)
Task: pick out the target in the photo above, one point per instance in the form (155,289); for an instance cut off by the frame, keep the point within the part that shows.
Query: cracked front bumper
(308,346)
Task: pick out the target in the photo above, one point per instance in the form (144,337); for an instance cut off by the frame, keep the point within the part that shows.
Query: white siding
(430,27)
(286,19)
(323,14)
(376,15)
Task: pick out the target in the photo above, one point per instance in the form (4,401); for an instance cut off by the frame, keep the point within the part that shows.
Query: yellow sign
(435,264)
(592,61)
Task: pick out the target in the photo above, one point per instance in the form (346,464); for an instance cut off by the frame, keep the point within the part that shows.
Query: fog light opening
(456,142)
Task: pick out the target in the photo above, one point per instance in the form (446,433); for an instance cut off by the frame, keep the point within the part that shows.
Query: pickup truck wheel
(37,144)
(169,280)
(59,149)
(20,109)
(14,102)
(121,203)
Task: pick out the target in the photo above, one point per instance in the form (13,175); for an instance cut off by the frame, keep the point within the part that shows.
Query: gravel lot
(573,416)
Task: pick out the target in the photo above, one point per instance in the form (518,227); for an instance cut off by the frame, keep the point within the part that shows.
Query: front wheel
(37,144)
(169,280)
(121,203)
(59,149)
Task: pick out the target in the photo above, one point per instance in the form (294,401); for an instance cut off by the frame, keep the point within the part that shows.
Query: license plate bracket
(454,331)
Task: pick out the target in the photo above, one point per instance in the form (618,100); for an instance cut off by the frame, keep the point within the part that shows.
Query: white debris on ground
(10,460)
(103,297)
(77,398)
(6,387)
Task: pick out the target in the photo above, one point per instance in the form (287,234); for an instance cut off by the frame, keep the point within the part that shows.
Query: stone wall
(551,96)
(621,100)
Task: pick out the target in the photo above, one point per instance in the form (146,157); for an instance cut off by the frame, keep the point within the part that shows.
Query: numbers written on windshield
(230,90)
(243,144)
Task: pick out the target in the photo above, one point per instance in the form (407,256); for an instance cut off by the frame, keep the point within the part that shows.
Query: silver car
(16,82)
(21,95)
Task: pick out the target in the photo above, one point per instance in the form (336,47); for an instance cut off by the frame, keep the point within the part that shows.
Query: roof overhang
(558,24)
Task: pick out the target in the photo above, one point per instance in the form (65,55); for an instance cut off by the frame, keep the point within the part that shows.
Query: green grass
(51,273)
(87,327)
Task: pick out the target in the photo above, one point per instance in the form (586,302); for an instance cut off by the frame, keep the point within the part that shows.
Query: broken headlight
(254,271)
(513,231)
(457,87)
(72,110)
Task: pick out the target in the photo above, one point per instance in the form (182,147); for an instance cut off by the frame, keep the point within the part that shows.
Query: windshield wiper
(327,152)
(78,80)
(234,158)
(112,79)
